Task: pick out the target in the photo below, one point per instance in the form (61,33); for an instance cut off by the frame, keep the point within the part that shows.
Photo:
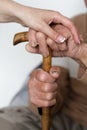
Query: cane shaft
(46,112)
(47,62)
(45,119)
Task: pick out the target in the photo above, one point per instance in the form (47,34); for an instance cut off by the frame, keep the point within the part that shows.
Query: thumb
(55,71)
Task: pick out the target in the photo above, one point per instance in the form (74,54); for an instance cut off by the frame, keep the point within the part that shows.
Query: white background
(15,62)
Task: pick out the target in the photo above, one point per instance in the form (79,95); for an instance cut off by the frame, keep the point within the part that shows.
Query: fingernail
(60,39)
(55,73)
(33,44)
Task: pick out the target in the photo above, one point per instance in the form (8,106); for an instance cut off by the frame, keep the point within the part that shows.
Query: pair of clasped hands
(43,86)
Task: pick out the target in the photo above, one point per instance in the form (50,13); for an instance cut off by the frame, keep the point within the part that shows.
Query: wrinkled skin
(67,48)
(43,86)
(41,40)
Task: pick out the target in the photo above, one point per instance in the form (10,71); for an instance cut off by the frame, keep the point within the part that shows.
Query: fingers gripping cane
(46,65)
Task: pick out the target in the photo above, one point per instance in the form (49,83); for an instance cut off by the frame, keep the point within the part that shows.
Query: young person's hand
(36,19)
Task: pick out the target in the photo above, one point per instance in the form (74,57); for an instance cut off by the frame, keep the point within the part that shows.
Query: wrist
(22,14)
(15,10)
(10,11)
(7,11)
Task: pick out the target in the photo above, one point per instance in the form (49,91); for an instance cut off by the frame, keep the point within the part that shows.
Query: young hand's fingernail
(60,39)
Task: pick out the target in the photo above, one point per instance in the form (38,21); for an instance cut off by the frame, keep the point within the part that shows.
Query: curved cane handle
(20,37)
(46,65)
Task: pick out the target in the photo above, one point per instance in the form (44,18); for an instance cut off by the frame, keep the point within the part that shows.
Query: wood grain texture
(46,65)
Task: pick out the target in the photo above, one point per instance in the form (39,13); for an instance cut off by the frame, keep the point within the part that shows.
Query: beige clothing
(76,103)
(80,22)
(23,119)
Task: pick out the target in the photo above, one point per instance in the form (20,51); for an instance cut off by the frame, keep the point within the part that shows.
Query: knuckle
(49,41)
(55,14)
(39,35)
(49,96)
(40,26)
(34,101)
(47,103)
(43,77)
(47,87)
(39,75)
(37,24)
(69,23)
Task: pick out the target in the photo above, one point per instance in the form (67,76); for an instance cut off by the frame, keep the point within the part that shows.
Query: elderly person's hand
(43,87)
(68,48)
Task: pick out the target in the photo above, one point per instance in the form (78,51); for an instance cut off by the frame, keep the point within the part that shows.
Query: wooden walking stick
(46,65)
